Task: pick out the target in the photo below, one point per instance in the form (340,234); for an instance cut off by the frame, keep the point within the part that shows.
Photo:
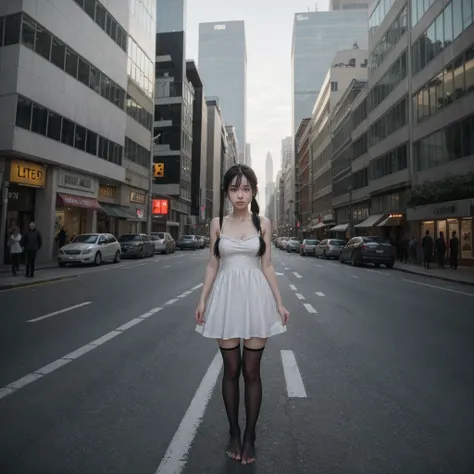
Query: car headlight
(87,251)
(61,252)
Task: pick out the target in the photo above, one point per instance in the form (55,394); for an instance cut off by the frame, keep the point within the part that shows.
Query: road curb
(49,267)
(34,282)
(436,277)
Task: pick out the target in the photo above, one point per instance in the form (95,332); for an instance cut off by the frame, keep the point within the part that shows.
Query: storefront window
(441,228)
(466,238)
(427,225)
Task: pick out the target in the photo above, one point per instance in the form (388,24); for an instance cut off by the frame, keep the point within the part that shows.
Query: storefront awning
(120,212)
(339,228)
(371,221)
(69,200)
(393,220)
(319,226)
(172,224)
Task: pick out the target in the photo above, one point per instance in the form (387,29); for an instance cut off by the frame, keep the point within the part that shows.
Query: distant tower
(269,168)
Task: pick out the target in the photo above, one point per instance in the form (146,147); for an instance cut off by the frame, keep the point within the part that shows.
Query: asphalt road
(121,383)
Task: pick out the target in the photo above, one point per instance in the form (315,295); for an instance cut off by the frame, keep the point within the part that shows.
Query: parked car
(329,248)
(187,242)
(308,247)
(136,245)
(163,242)
(362,250)
(283,243)
(293,245)
(90,249)
(200,241)
(207,241)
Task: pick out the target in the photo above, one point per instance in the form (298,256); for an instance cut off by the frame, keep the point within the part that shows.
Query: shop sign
(76,181)
(108,191)
(136,197)
(27,173)
(160,207)
(445,210)
(328,217)
(140,213)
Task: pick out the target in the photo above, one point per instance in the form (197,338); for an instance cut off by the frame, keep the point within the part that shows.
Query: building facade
(317,36)
(76,119)
(223,68)
(304,182)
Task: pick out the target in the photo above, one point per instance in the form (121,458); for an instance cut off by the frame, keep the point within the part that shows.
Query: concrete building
(304,199)
(248,155)
(269,183)
(174,99)
(347,66)
(223,68)
(233,153)
(216,157)
(279,203)
(287,152)
(76,120)
(317,36)
(171,16)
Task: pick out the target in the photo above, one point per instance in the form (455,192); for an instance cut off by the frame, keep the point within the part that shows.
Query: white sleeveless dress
(241,303)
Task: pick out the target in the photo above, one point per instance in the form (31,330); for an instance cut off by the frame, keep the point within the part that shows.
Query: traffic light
(159,170)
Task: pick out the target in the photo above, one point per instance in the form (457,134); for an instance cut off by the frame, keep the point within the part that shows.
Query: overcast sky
(268,25)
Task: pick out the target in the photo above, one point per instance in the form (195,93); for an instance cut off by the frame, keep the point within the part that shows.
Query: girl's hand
(199,314)
(284,314)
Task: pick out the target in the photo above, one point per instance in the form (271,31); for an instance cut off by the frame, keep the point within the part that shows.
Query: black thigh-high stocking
(253,400)
(230,392)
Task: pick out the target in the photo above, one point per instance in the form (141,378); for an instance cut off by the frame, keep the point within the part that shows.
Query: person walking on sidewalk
(32,242)
(440,250)
(14,244)
(240,300)
(453,251)
(427,246)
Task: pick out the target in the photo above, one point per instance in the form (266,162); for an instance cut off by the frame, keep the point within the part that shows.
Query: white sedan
(90,248)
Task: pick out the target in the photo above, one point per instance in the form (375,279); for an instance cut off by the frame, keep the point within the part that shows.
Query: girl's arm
(213,263)
(267,265)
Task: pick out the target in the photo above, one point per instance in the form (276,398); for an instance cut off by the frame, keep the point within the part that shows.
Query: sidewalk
(464,275)
(6,269)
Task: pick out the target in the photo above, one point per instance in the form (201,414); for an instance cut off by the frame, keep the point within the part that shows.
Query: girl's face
(240,196)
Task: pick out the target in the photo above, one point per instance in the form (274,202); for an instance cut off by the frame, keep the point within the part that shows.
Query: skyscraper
(269,183)
(287,153)
(223,68)
(317,36)
(171,16)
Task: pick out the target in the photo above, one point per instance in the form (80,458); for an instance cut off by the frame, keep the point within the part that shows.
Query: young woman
(240,300)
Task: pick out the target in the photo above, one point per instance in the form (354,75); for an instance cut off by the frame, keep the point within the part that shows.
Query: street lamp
(150,184)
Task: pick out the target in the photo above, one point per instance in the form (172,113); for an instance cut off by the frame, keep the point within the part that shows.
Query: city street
(105,374)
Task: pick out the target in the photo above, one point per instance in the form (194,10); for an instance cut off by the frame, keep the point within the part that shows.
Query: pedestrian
(404,246)
(412,249)
(427,245)
(32,242)
(14,244)
(453,251)
(61,238)
(440,250)
(240,300)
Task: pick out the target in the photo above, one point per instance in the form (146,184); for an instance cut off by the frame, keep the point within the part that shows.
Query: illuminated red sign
(160,206)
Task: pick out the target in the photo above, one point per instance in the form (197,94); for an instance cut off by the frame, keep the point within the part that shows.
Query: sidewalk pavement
(6,269)
(463,275)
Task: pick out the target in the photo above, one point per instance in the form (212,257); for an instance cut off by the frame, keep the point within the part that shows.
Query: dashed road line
(293,287)
(376,271)
(356,277)
(309,308)
(319,266)
(50,315)
(170,302)
(279,273)
(197,287)
(319,293)
(294,382)
(297,275)
(441,288)
(300,296)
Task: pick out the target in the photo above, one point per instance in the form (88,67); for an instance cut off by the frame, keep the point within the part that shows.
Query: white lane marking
(441,288)
(357,278)
(279,274)
(186,293)
(286,268)
(197,286)
(168,266)
(293,287)
(294,382)
(58,363)
(376,271)
(332,263)
(175,458)
(309,308)
(300,296)
(319,266)
(50,315)
(170,302)
(297,275)
(319,293)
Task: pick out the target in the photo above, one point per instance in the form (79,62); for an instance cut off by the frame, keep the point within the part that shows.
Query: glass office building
(223,69)
(317,36)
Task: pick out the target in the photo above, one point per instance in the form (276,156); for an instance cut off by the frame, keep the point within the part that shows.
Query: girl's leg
(231,355)
(253,350)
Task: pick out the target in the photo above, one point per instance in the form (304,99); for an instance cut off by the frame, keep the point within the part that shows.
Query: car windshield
(86,239)
(376,240)
(337,243)
(310,242)
(129,238)
(187,237)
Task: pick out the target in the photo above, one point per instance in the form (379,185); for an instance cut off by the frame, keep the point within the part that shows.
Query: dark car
(362,250)
(188,242)
(136,245)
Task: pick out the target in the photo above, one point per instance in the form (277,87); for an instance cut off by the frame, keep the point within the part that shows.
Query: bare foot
(248,452)
(234,448)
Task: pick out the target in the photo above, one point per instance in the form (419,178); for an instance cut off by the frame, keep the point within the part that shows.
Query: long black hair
(238,171)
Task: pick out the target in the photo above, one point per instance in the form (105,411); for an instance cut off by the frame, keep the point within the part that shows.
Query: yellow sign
(159,170)
(108,191)
(27,173)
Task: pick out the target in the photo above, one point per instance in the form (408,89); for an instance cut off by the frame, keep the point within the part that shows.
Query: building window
(23,113)
(80,138)
(72,61)
(333,86)
(67,134)
(43,42)
(84,72)
(54,126)
(28,33)
(39,120)
(136,153)
(58,53)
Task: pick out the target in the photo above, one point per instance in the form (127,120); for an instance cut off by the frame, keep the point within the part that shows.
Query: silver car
(90,249)
(308,247)
(163,242)
(293,245)
(329,248)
